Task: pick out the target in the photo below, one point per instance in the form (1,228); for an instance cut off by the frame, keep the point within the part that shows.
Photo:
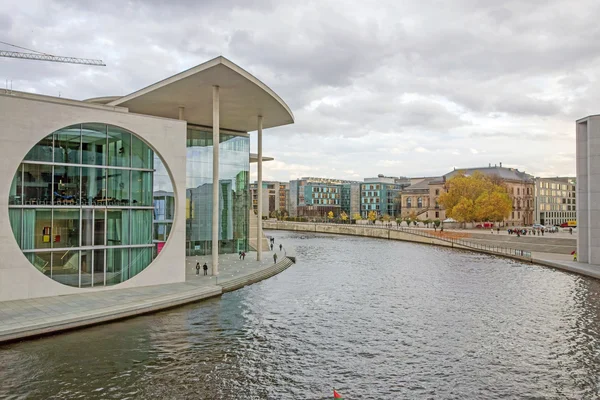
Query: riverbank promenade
(26,318)
(550,250)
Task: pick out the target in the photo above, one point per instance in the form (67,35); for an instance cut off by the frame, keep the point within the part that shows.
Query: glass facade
(81,205)
(234,170)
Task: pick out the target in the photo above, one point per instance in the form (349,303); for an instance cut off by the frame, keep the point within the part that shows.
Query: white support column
(259,190)
(215,197)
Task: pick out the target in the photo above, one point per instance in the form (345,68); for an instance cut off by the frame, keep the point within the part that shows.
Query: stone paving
(34,315)
(565,262)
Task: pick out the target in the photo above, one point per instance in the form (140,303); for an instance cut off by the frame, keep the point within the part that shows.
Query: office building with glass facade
(115,192)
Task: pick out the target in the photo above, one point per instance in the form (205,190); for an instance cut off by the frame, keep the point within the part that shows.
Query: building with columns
(115,192)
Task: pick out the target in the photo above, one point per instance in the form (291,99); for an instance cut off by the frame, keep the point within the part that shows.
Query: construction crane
(36,55)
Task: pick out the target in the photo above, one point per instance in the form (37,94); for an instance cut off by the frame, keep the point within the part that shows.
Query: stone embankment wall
(378,233)
(544,244)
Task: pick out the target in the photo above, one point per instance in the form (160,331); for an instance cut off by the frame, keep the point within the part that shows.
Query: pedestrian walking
(280,247)
(571,231)
(274,258)
(205,268)
(271,246)
(198,268)
(498,230)
(492,231)
(243,255)
(240,254)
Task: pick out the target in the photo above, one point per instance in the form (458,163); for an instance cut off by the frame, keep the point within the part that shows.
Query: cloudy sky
(400,87)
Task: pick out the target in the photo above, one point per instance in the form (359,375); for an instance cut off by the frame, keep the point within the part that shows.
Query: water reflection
(373,318)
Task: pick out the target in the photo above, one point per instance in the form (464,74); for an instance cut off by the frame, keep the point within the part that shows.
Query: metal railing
(507,251)
(465,243)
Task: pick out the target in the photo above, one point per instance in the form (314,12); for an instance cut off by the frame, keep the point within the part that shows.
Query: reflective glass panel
(93,186)
(42,261)
(42,151)
(141,154)
(15,196)
(66,185)
(87,267)
(37,184)
(141,226)
(37,228)
(117,227)
(67,145)
(65,228)
(118,187)
(94,144)
(65,267)
(15,217)
(141,188)
(140,258)
(98,277)
(117,266)
(119,147)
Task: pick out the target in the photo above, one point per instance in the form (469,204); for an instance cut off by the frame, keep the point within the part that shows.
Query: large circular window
(81,205)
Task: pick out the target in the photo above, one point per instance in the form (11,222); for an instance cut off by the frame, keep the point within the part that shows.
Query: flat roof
(254,158)
(242,98)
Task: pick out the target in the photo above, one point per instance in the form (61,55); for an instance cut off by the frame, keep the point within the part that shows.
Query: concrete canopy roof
(242,98)
(254,158)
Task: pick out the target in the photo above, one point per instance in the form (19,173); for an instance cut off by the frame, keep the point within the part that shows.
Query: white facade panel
(24,121)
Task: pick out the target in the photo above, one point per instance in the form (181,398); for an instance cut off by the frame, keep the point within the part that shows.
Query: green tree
(437,222)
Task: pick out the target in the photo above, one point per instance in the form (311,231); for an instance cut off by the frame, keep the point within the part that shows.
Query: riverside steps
(550,251)
(20,319)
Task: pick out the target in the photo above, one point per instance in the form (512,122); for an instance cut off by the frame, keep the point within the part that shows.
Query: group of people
(204,267)
(272,243)
(242,255)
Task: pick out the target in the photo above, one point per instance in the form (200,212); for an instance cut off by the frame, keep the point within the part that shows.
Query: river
(372,318)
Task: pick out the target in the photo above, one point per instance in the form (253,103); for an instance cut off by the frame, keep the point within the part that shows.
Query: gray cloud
(472,74)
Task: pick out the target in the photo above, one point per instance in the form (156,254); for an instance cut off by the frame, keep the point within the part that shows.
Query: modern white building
(114,192)
(588,189)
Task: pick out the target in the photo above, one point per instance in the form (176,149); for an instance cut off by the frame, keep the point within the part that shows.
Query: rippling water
(373,318)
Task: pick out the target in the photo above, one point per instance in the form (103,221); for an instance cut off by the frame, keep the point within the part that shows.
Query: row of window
(557,207)
(62,228)
(320,189)
(325,196)
(326,202)
(512,191)
(93,144)
(47,184)
(559,186)
(557,193)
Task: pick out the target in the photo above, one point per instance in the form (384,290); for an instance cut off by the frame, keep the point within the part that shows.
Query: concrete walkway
(566,263)
(25,318)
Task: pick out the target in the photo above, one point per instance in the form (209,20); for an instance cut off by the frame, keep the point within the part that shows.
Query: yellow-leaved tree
(330,215)
(344,216)
(372,216)
(476,198)
(356,217)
